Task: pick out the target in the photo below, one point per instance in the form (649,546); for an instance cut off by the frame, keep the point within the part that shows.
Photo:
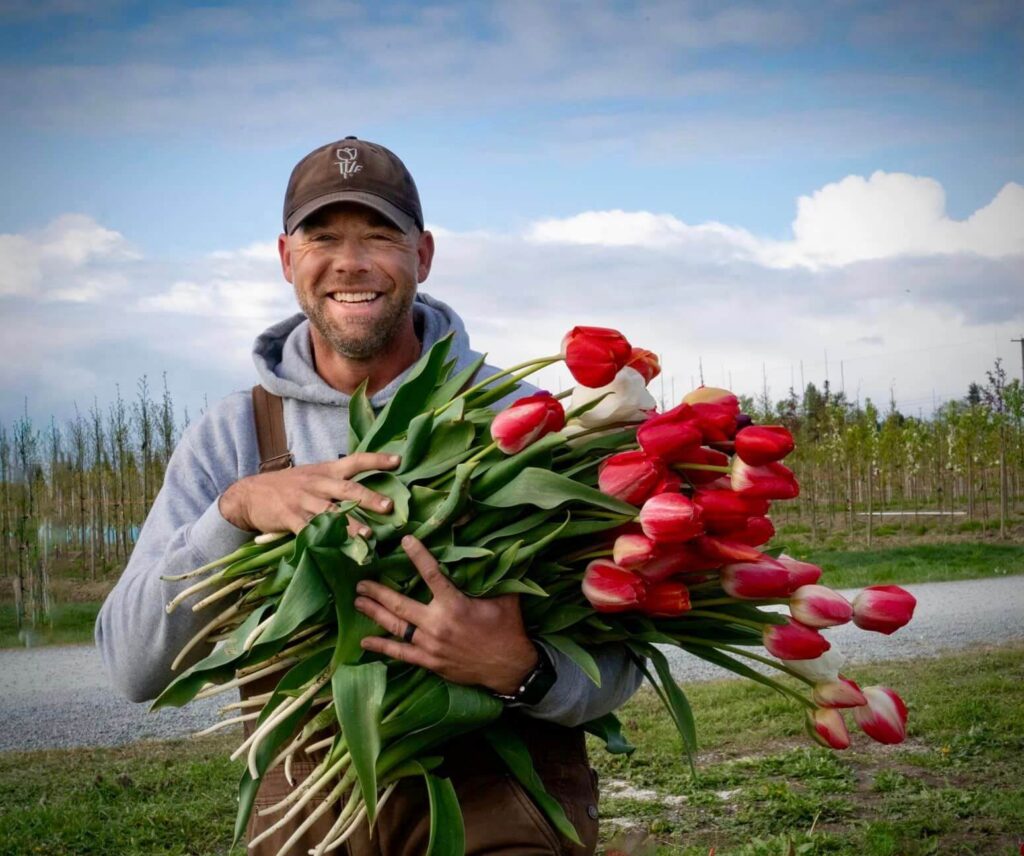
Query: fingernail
(385,504)
(366,531)
(361,588)
(394,459)
(407,541)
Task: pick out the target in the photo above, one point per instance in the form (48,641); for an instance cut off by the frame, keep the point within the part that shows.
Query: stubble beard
(360,342)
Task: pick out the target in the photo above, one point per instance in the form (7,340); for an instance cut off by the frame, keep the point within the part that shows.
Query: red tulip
(703,456)
(755,580)
(594,355)
(645,362)
(670,435)
(526,421)
(842,692)
(632,549)
(761,444)
(673,559)
(818,606)
(884,609)
(758,531)
(793,641)
(800,573)
(717,421)
(828,728)
(772,481)
(671,482)
(884,717)
(726,551)
(668,598)
(630,476)
(610,588)
(725,510)
(669,518)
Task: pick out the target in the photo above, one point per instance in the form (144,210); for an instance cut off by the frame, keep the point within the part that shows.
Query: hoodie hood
(283,354)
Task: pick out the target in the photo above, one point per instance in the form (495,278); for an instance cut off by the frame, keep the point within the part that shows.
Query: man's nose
(351,256)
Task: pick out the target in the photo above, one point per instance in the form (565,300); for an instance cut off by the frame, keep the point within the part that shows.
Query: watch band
(536,684)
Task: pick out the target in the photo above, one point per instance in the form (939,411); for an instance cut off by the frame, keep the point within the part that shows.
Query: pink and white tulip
(793,641)
(632,549)
(800,573)
(884,717)
(765,578)
(842,692)
(818,606)
(669,518)
(610,588)
(630,476)
(828,728)
(527,420)
(884,609)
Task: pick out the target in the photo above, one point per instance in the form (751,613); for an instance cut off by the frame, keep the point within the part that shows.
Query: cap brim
(396,215)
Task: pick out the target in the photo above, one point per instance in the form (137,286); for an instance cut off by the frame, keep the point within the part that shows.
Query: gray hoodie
(184,530)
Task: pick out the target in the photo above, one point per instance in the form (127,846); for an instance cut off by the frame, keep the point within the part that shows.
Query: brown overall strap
(268,412)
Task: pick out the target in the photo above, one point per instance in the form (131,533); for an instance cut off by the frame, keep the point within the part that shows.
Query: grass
(952,788)
(72,620)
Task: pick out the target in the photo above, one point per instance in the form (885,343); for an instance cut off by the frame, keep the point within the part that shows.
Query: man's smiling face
(355,276)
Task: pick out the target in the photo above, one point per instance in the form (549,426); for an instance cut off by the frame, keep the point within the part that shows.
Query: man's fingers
(342,490)
(360,462)
(428,567)
(405,609)
(400,651)
(385,618)
(356,528)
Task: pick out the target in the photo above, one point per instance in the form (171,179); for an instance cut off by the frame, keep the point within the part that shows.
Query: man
(355,249)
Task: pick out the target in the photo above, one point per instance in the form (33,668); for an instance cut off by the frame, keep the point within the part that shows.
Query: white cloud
(853,220)
(68,260)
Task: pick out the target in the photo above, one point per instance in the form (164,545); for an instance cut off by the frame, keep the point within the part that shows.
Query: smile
(354,296)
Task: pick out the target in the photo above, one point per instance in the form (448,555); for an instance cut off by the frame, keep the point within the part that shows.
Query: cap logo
(347,165)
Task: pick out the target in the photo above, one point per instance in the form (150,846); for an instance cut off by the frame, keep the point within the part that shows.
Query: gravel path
(58,697)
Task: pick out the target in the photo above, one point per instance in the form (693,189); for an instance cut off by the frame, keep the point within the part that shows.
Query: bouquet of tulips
(615,523)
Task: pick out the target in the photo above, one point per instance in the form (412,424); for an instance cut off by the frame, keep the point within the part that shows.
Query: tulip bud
(842,692)
(701,455)
(670,560)
(610,588)
(884,609)
(793,641)
(884,717)
(594,355)
(827,727)
(822,669)
(669,518)
(818,606)
(630,476)
(717,421)
(645,362)
(712,395)
(758,531)
(527,420)
(755,580)
(772,481)
(725,510)
(725,551)
(667,599)
(800,573)
(624,399)
(670,435)
(632,549)
(762,444)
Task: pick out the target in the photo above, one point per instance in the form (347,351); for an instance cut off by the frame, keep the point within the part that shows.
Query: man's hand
(288,499)
(463,639)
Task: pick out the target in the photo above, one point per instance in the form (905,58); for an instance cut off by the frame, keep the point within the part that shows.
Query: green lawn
(954,787)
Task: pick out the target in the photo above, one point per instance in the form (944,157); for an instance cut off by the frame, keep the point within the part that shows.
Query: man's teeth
(354,297)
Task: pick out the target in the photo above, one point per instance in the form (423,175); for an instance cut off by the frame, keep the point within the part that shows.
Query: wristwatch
(536,684)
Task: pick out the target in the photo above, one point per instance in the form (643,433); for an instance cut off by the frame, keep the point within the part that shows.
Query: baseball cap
(352,170)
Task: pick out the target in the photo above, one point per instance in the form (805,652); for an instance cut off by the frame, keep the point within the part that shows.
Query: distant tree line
(73,496)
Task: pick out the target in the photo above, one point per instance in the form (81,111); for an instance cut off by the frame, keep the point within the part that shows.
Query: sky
(765,194)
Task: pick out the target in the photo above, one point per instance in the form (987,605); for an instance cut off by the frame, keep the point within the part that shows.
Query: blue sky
(147,145)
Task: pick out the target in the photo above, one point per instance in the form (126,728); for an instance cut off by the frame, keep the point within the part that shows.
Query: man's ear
(284,251)
(425,253)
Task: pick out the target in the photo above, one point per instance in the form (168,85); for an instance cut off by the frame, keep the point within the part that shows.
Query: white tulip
(820,669)
(626,400)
